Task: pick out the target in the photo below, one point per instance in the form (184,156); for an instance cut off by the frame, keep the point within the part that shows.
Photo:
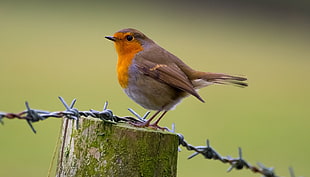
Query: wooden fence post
(99,148)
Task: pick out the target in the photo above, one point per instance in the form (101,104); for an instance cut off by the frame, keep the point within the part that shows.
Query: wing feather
(170,74)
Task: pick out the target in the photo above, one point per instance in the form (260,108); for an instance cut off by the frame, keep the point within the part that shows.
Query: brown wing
(170,74)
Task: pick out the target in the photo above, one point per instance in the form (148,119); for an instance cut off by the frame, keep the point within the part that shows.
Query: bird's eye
(129,37)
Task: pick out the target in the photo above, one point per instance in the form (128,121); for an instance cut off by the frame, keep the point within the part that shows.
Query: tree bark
(100,148)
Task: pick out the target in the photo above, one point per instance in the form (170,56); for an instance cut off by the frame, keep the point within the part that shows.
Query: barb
(33,115)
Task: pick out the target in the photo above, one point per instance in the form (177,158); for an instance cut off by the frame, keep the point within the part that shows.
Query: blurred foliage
(51,49)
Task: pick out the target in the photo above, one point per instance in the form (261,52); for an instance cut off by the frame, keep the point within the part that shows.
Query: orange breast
(126,52)
(123,64)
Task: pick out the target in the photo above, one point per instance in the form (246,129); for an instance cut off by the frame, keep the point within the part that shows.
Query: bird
(157,79)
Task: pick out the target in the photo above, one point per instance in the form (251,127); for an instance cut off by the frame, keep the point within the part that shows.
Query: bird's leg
(146,123)
(155,124)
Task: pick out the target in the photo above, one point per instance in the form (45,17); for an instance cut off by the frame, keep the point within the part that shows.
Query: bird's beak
(111,38)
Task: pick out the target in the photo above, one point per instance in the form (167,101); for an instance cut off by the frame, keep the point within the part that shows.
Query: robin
(155,78)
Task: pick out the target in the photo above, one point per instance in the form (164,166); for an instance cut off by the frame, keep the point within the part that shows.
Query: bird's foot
(143,122)
(148,125)
(155,126)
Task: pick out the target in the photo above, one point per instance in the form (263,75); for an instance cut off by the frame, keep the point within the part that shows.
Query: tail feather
(219,78)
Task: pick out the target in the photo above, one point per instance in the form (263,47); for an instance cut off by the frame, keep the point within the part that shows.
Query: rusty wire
(33,115)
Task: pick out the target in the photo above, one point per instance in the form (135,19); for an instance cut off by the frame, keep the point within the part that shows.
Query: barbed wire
(34,115)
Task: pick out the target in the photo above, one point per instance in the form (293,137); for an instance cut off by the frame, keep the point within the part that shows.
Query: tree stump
(99,148)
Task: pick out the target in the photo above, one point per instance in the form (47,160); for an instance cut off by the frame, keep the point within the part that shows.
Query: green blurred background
(50,49)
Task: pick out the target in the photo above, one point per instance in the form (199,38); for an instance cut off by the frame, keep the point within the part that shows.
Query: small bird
(155,78)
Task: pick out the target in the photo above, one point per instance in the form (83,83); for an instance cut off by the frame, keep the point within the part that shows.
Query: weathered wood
(99,148)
